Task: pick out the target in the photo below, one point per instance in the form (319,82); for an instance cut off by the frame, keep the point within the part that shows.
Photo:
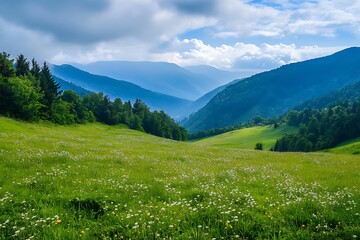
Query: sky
(241,35)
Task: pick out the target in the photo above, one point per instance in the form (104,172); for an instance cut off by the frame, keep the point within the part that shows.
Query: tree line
(29,92)
(321,128)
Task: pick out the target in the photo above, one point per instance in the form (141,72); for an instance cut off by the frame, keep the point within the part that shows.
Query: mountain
(202,101)
(349,93)
(166,78)
(117,88)
(214,73)
(275,92)
(65,85)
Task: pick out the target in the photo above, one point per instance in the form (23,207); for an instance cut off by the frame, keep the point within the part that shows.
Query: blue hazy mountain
(203,100)
(118,88)
(211,72)
(166,78)
(65,85)
(275,92)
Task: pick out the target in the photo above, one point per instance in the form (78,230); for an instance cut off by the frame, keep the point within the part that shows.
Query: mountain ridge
(167,78)
(274,92)
(119,88)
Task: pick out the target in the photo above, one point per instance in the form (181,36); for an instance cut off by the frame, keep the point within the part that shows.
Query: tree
(61,113)
(48,85)
(19,99)
(76,108)
(259,146)
(22,66)
(6,65)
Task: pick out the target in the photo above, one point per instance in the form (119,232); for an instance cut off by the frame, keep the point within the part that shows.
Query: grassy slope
(348,147)
(131,185)
(247,138)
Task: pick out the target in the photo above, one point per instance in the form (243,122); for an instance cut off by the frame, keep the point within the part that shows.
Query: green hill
(348,147)
(247,137)
(275,92)
(108,182)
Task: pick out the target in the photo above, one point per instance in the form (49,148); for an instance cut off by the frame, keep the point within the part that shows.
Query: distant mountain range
(84,82)
(118,88)
(65,85)
(275,92)
(167,78)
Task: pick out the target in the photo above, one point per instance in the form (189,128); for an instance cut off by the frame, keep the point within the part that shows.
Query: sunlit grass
(99,182)
(247,138)
(348,147)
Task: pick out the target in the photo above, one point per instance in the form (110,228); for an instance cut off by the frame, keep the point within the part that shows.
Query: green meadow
(348,147)
(247,138)
(108,182)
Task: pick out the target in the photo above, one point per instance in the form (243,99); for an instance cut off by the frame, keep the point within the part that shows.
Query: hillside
(202,101)
(166,78)
(349,93)
(275,92)
(348,147)
(65,85)
(246,138)
(95,181)
(214,73)
(122,89)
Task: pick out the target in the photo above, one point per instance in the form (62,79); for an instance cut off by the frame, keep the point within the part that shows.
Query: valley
(180,119)
(96,181)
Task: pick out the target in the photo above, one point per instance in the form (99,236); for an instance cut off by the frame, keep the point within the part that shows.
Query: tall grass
(247,138)
(99,182)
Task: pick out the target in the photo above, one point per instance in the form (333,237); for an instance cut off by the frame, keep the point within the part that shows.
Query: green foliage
(259,146)
(96,181)
(61,112)
(6,66)
(349,93)
(19,99)
(48,85)
(275,92)
(33,94)
(321,129)
(22,66)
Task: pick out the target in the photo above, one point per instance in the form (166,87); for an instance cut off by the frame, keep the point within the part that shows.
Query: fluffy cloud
(240,56)
(91,30)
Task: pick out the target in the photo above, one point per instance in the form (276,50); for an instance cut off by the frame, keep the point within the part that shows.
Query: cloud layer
(241,34)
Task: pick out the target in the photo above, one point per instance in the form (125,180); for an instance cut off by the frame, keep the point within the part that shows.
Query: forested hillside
(30,92)
(278,91)
(321,128)
(349,93)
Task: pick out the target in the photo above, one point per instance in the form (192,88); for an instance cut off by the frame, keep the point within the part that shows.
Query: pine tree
(6,65)
(50,88)
(22,66)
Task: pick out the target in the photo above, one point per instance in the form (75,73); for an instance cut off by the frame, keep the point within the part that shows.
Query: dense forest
(321,128)
(349,93)
(275,92)
(29,92)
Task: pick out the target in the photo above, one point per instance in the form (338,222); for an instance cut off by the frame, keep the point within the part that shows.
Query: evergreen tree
(48,85)
(6,66)
(22,66)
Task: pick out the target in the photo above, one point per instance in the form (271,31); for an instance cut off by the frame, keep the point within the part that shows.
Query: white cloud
(91,30)
(240,55)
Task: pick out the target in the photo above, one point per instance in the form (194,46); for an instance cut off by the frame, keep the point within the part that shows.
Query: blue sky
(243,35)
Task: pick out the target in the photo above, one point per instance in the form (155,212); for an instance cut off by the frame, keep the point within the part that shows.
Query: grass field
(247,138)
(99,182)
(348,147)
